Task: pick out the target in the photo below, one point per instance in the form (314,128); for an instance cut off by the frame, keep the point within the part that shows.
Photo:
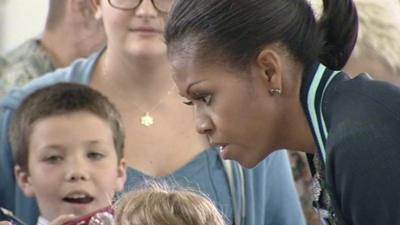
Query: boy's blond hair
(158,204)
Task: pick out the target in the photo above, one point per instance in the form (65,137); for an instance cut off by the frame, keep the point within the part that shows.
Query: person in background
(303,180)
(71,32)
(377,51)
(3,62)
(164,205)
(134,73)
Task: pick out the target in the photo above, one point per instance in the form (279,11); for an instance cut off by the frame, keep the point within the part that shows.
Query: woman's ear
(269,62)
(24,182)
(95,6)
(78,8)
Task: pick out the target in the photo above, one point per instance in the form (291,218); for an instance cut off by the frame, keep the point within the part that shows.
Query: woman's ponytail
(339,24)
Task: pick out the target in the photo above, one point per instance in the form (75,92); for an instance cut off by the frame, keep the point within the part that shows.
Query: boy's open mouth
(78,198)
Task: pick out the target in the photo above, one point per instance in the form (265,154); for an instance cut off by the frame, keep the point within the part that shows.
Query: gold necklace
(146,120)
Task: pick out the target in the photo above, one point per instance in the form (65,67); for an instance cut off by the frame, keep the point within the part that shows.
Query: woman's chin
(148,49)
(246,162)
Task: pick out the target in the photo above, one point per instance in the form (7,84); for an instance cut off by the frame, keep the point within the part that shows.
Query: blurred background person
(71,32)
(377,51)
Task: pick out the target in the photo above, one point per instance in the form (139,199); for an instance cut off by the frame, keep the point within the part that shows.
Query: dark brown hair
(238,30)
(59,99)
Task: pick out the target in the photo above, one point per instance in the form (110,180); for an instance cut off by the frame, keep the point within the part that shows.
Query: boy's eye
(95,155)
(53,159)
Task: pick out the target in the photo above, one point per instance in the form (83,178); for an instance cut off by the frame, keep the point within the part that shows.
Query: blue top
(265,195)
(205,173)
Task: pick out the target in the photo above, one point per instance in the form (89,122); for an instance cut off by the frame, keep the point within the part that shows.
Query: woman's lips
(146,30)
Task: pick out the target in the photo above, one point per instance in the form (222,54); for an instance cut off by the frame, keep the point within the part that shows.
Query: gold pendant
(147,120)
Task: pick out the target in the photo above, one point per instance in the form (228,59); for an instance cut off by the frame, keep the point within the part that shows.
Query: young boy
(163,205)
(68,142)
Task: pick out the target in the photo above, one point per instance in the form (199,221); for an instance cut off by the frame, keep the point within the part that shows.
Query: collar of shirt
(42,221)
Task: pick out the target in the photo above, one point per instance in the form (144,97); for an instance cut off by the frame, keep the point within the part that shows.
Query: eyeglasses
(161,5)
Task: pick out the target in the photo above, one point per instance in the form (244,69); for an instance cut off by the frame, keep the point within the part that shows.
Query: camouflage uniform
(22,64)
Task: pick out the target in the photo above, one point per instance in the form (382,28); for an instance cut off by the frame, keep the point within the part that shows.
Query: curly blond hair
(158,204)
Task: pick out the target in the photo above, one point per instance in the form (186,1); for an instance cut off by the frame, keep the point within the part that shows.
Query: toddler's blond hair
(158,204)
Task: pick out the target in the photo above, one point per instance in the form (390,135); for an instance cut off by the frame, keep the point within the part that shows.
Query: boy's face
(73,167)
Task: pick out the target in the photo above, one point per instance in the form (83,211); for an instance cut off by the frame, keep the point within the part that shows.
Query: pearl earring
(275,92)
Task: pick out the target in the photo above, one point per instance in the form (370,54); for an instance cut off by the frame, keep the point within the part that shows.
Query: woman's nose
(204,124)
(146,9)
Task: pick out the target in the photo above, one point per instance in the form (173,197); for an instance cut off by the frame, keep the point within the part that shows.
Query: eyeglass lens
(162,5)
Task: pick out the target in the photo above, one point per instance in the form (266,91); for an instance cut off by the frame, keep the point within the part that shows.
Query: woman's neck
(144,93)
(140,79)
(297,133)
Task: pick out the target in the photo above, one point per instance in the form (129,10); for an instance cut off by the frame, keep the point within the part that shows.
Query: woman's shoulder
(363,149)
(361,97)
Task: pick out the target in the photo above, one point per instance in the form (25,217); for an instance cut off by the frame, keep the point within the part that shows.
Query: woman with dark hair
(263,75)
(133,71)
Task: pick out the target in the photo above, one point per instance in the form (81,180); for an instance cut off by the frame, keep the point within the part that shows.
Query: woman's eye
(206,99)
(53,159)
(203,98)
(95,155)
(188,102)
